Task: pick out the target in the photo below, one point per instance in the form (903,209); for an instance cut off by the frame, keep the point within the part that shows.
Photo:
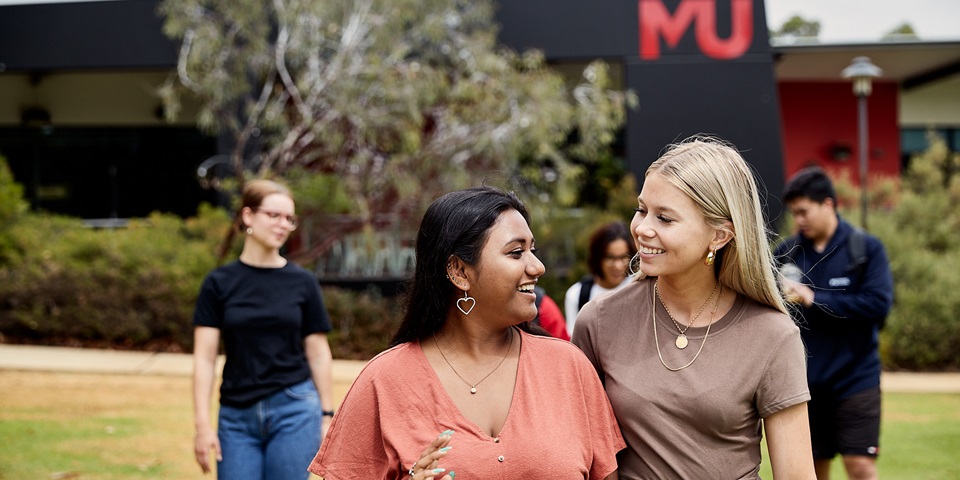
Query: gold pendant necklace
(473,386)
(681,341)
(656,340)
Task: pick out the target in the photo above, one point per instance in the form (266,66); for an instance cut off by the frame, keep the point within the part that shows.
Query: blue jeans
(273,439)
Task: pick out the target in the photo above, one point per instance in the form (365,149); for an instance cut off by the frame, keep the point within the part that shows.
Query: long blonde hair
(714,175)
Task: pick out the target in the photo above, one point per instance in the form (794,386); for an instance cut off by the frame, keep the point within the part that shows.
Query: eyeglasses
(619,258)
(276,217)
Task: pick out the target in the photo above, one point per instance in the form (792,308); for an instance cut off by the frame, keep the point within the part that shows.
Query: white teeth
(525,288)
(651,251)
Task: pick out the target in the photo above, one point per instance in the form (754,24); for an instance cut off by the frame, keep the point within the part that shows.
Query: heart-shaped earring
(466,299)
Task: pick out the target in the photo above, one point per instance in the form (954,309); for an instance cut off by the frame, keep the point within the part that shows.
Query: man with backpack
(842,296)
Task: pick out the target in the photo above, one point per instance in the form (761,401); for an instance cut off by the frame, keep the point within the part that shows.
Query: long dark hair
(456,224)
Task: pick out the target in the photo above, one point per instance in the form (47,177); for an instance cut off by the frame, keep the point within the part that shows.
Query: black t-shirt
(263,315)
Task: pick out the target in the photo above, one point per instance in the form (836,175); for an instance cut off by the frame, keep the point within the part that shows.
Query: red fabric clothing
(560,424)
(551,319)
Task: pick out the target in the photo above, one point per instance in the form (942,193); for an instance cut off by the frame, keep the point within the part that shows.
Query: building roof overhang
(909,63)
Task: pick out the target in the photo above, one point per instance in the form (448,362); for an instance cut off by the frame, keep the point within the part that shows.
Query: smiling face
(672,235)
(270,221)
(502,281)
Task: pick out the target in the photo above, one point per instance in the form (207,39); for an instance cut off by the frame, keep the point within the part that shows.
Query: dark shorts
(850,426)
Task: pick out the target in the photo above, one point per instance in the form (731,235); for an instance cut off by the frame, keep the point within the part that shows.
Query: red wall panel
(819,122)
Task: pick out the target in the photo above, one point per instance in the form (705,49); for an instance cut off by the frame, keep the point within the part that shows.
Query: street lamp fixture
(862,72)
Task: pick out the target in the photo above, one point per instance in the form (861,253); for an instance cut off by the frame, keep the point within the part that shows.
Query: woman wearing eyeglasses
(276,395)
(608,255)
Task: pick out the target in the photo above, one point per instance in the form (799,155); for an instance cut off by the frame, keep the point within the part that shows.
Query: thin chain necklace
(473,387)
(657,341)
(681,341)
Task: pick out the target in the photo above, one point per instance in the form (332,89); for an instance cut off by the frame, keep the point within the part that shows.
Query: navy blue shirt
(263,315)
(840,329)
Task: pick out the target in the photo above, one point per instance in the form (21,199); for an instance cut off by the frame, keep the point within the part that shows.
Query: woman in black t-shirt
(276,395)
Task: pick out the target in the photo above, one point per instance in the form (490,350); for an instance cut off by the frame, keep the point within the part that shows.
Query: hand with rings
(427,468)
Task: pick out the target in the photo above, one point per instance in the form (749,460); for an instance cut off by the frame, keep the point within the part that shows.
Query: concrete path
(84,360)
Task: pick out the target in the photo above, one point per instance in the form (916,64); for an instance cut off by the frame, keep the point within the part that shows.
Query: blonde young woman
(698,355)
(271,318)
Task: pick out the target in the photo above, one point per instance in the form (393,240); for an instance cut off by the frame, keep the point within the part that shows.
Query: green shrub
(130,287)
(919,232)
(363,322)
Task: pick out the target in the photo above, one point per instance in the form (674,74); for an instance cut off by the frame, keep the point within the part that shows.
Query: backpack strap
(857,248)
(586,284)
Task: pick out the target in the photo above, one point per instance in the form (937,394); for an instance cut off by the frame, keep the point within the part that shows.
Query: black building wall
(697,66)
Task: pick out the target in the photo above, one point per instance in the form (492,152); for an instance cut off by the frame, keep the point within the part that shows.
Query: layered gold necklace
(653,316)
(681,341)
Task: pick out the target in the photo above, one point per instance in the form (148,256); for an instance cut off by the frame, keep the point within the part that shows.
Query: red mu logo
(656,22)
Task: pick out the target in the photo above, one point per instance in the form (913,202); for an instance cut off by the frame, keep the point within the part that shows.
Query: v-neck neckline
(453,406)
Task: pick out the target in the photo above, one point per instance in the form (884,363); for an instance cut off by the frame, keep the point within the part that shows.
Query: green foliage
(130,287)
(364,322)
(12,204)
(904,31)
(920,234)
(799,27)
(400,100)
(919,230)
(563,234)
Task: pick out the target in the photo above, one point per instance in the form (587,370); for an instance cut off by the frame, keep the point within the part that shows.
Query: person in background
(273,323)
(843,295)
(463,391)
(549,316)
(698,354)
(608,256)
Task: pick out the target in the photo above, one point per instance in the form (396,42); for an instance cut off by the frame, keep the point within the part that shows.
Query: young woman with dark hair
(466,387)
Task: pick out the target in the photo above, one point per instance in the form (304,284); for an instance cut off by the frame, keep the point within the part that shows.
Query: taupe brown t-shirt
(704,421)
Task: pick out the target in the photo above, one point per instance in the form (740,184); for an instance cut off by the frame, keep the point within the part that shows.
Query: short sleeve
(784,380)
(353,447)
(316,319)
(209,309)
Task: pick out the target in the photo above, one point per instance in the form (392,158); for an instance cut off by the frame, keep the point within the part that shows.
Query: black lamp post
(862,72)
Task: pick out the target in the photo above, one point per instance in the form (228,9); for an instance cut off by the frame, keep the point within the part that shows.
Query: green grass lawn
(120,427)
(919,439)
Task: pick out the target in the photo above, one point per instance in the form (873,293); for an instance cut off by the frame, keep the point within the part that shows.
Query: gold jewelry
(473,387)
(711,256)
(681,341)
(657,341)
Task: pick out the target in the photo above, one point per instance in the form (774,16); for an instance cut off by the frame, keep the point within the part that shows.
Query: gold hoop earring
(711,257)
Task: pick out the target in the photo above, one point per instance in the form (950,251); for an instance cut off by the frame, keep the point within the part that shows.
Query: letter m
(657,22)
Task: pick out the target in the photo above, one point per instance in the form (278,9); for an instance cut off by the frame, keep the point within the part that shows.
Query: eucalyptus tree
(377,107)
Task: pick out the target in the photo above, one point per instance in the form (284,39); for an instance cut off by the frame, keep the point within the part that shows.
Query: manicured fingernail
(436,471)
(446,432)
(444,449)
(452,475)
